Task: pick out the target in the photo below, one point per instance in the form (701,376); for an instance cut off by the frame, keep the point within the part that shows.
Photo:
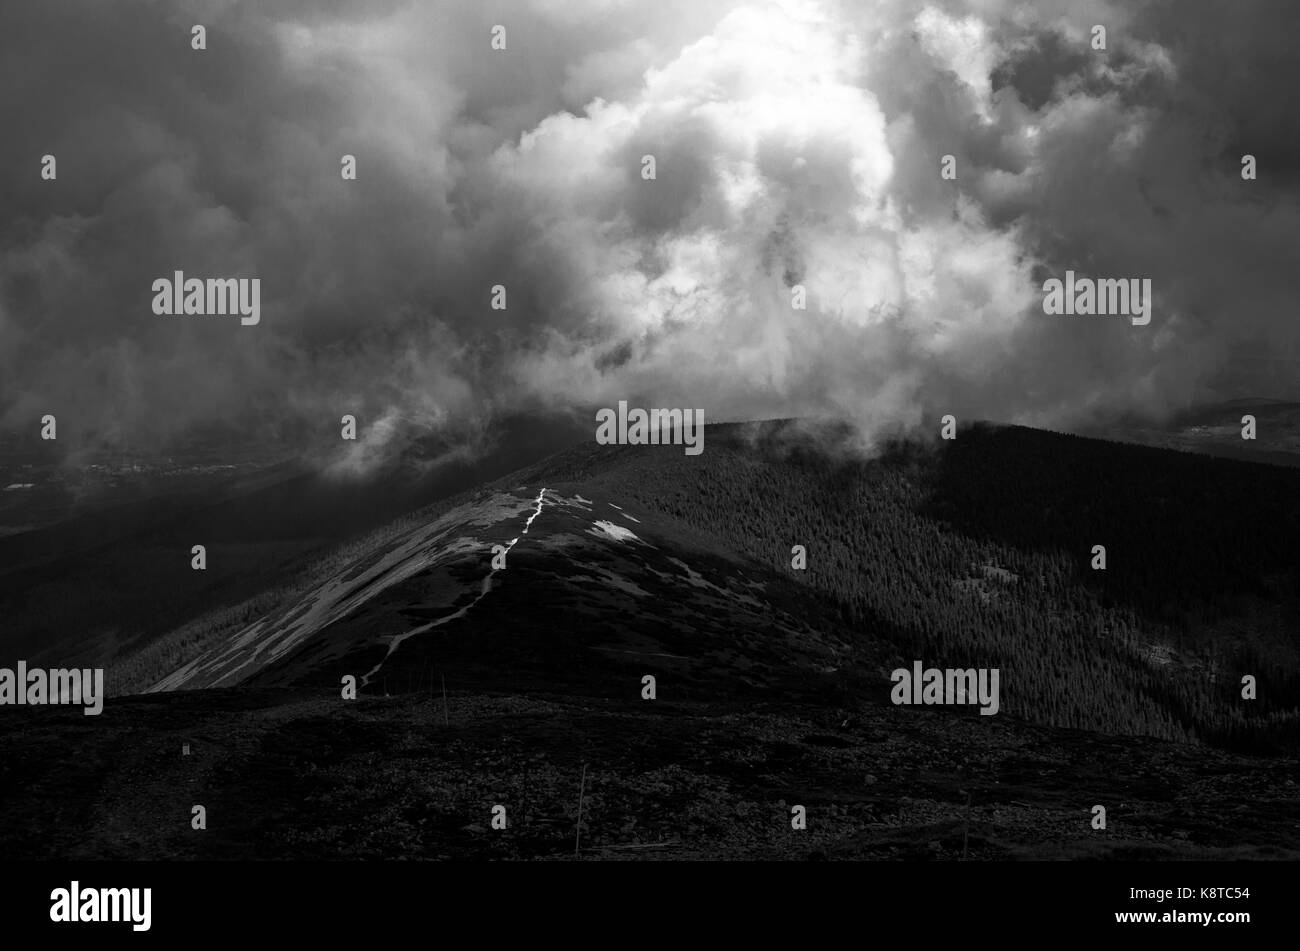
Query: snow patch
(613,532)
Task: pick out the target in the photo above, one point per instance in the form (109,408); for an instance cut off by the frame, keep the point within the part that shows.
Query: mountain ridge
(920,575)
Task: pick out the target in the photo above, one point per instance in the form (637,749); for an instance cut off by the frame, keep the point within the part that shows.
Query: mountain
(107,579)
(974,553)
(582,586)
(1216,429)
(502,638)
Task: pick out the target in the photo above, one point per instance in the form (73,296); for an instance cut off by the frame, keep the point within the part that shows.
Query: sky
(795,143)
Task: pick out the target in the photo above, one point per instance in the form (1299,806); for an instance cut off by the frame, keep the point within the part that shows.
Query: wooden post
(965,835)
(577,831)
(446,719)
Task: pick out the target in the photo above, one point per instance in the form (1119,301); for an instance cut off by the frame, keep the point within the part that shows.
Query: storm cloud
(796,143)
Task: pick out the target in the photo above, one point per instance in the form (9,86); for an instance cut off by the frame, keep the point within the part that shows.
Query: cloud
(796,143)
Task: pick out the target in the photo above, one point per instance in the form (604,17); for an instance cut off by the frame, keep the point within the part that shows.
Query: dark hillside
(977,551)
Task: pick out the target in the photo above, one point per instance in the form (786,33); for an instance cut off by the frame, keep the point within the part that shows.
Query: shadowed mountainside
(501,640)
(971,553)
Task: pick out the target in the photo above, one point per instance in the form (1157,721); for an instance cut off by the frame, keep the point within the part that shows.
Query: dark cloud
(796,143)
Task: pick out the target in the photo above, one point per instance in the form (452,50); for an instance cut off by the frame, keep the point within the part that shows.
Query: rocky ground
(302,774)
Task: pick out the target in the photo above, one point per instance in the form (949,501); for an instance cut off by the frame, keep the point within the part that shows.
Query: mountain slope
(974,553)
(533,584)
(512,683)
(115,580)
